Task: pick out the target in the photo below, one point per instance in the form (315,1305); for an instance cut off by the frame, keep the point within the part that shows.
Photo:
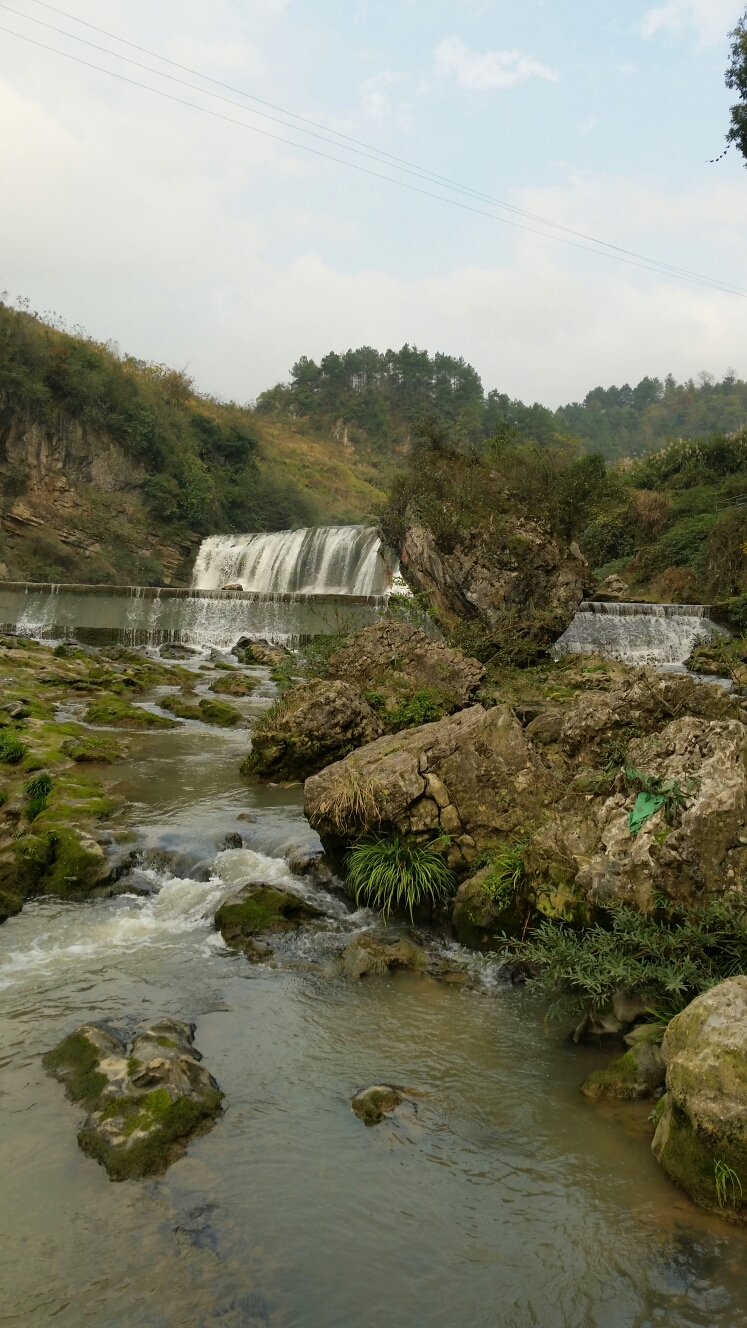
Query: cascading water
(663,635)
(327,560)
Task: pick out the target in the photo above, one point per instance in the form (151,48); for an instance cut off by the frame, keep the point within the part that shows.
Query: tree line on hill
(381,398)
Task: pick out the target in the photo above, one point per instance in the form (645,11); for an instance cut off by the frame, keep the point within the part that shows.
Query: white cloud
(711,19)
(378,104)
(494,69)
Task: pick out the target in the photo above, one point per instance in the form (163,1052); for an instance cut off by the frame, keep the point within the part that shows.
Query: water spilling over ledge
(150,615)
(658,634)
(326,560)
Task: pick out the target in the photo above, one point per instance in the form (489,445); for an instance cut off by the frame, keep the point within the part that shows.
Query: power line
(633,260)
(372,152)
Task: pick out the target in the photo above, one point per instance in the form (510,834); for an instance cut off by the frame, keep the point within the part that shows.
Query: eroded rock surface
(514,564)
(395,659)
(702,1131)
(637,1074)
(313,724)
(472,775)
(145,1100)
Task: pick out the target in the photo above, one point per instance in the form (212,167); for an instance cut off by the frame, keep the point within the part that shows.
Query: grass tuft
(391,872)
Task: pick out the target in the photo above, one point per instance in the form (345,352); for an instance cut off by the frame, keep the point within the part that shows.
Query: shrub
(390,872)
(507,872)
(670,956)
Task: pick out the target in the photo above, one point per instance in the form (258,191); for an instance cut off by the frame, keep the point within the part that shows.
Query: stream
(498,1196)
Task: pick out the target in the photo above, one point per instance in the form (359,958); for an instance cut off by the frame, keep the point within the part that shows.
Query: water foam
(658,634)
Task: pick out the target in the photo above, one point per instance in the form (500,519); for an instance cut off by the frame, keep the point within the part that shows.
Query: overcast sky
(199,242)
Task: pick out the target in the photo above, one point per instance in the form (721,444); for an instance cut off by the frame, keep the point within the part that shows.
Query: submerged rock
(261,910)
(312,725)
(365,957)
(701,1136)
(639,1073)
(397,660)
(372,1104)
(144,1101)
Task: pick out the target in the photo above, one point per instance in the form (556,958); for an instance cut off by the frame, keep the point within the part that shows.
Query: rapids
(498,1197)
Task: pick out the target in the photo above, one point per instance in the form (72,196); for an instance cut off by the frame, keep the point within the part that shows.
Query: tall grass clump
(12,750)
(37,792)
(389,872)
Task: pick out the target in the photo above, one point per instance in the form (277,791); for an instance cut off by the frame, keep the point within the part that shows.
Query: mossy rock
(235,684)
(112,712)
(10,904)
(141,1112)
(690,1156)
(635,1075)
(206,711)
(261,909)
(85,747)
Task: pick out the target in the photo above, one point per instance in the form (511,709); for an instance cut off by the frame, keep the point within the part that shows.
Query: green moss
(177,1123)
(235,684)
(111,711)
(74,869)
(85,747)
(263,910)
(618,1080)
(220,713)
(10,904)
(75,1062)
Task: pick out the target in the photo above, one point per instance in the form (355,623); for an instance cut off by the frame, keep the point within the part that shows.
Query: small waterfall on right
(663,635)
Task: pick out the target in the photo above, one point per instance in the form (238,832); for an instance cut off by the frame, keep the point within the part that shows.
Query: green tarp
(645,805)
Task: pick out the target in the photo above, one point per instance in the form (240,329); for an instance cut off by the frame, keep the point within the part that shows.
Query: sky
(192,235)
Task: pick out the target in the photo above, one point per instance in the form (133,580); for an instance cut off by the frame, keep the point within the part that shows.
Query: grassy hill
(112,470)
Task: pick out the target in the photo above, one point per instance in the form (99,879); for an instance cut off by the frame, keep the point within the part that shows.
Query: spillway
(326,560)
(663,635)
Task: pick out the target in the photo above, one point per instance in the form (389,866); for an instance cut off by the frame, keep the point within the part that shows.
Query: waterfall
(660,634)
(327,560)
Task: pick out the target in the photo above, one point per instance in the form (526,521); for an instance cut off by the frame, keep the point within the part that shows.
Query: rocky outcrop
(395,660)
(145,1100)
(701,1136)
(514,564)
(472,775)
(313,724)
(477,915)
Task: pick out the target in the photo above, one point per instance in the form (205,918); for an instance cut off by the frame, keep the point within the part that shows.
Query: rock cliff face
(515,566)
(701,1137)
(78,508)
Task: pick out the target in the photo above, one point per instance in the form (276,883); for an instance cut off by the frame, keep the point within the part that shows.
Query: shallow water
(495,1196)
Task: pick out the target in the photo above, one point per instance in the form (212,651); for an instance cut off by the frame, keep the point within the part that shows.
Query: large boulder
(514,564)
(313,724)
(145,1100)
(701,1136)
(472,775)
(397,660)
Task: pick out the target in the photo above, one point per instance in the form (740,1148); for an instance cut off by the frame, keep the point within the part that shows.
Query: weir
(285,586)
(663,635)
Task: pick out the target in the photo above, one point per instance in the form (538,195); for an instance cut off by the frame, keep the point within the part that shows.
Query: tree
(736,77)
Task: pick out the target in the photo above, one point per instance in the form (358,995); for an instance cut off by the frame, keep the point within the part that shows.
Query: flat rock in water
(145,1100)
(372,1104)
(365,956)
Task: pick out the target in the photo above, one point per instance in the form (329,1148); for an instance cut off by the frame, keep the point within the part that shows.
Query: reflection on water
(496,1196)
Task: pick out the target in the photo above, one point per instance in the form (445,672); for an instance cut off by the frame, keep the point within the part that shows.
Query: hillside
(112,470)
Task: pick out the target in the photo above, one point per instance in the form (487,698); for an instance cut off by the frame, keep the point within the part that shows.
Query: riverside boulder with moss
(261,910)
(701,1135)
(397,662)
(145,1099)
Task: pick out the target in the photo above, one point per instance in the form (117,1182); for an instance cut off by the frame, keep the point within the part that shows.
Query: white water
(658,634)
(327,560)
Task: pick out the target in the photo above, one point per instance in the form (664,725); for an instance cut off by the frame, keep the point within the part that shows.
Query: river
(497,1197)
